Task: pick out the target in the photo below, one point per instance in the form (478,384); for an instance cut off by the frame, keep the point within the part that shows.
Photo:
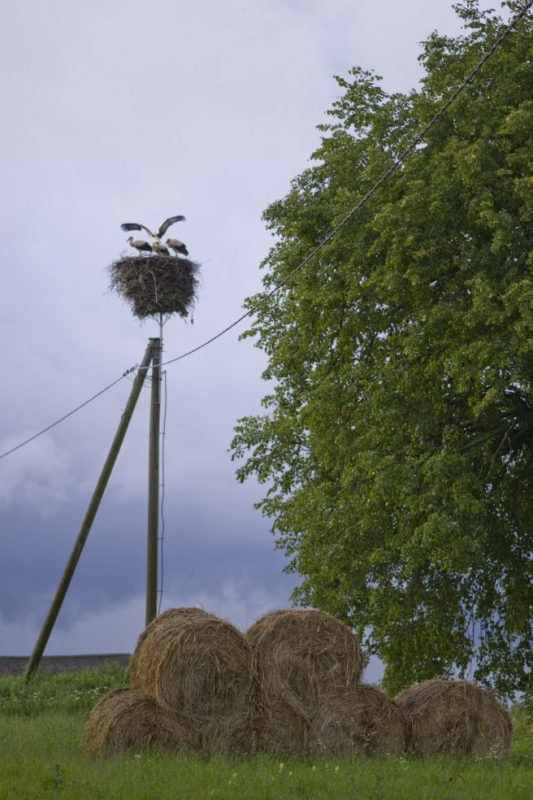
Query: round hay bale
(123,720)
(349,722)
(227,734)
(302,655)
(155,285)
(194,664)
(456,718)
(280,729)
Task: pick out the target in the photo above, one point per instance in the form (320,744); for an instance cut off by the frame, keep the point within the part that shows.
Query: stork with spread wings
(155,236)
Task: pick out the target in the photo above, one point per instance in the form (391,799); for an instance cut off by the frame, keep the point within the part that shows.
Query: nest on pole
(155,285)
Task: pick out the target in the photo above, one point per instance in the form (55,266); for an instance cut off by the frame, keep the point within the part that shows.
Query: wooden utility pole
(153,484)
(64,583)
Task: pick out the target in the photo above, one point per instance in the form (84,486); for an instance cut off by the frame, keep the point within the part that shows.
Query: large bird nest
(456,718)
(155,285)
(124,719)
(302,655)
(365,721)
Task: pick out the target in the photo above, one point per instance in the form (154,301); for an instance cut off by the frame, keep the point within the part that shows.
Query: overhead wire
(70,413)
(386,175)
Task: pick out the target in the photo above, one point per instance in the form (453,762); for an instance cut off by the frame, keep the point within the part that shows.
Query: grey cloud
(229,108)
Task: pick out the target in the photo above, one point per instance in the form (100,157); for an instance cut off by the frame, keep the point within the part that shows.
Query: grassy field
(40,757)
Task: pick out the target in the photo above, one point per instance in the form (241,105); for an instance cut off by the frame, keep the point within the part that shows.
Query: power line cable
(70,413)
(386,175)
(416,141)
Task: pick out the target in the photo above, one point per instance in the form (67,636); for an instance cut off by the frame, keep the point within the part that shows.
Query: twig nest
(456,718)
(155,285)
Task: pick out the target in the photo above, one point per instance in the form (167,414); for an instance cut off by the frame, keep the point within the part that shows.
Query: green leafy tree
(397,441)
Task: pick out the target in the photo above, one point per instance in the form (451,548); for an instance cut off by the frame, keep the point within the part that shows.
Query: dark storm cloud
(111,569)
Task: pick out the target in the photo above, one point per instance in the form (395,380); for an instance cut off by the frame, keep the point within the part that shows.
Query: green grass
(40,757)
(69,692)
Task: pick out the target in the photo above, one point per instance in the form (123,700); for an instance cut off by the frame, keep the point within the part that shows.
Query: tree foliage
(397,441)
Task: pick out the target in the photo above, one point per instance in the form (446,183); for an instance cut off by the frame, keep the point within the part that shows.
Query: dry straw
(155,285)
(225,733)
(302,655)
(349,722)
(199,667)
(456,718)
(126,720)
(280,729)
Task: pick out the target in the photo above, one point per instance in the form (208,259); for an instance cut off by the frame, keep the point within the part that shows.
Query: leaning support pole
(153,486)
(64,583)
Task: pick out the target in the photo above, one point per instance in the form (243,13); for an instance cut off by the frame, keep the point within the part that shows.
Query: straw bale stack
(199,667)
(124,720)
(360,721)
(225,733)
(456,718)
(280,729)
(302,655)
(155,285)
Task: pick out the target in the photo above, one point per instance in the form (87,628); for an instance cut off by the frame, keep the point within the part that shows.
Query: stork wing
(134,226)
(163,228)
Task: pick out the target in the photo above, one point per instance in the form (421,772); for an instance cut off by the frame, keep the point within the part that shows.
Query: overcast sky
(119,111)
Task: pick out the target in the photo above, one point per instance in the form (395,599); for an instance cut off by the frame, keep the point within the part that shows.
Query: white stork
(140,245)
(159,248)
(177,246)
(156,235)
